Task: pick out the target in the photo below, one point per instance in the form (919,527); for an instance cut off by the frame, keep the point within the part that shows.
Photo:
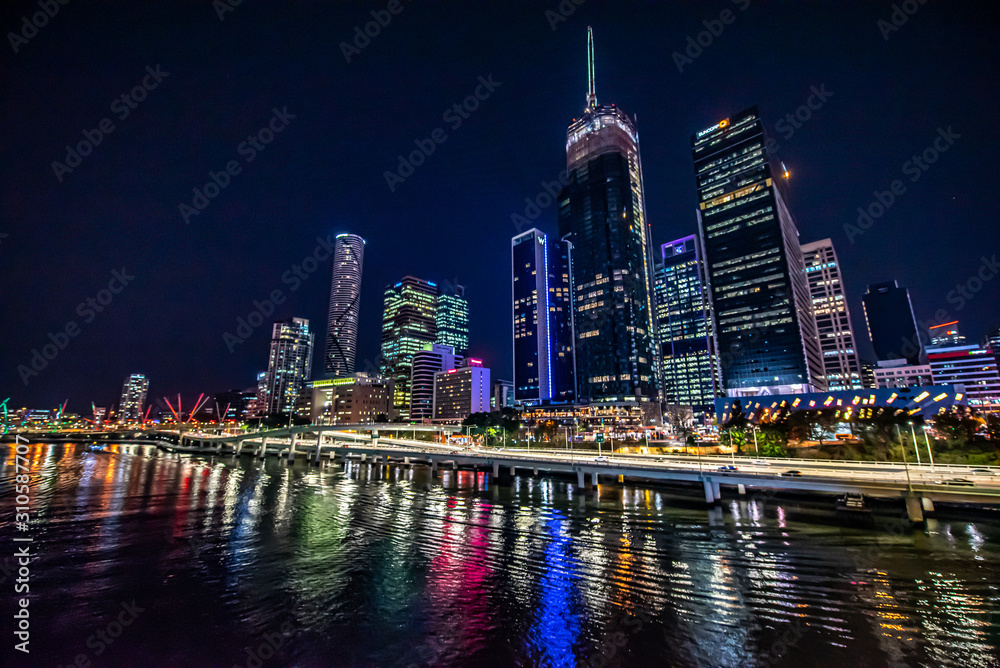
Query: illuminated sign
(717,126)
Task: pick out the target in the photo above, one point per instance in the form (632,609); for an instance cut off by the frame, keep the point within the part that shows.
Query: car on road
(761,462)
(603,460)
(791,474)
(985,472)
(956,482)
(728,467)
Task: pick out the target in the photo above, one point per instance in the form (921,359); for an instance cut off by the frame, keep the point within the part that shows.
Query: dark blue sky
(451,220)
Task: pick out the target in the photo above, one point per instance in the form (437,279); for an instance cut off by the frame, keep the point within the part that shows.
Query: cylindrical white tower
(345,302)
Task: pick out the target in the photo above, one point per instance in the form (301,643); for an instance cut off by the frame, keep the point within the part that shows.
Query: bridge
(920,486)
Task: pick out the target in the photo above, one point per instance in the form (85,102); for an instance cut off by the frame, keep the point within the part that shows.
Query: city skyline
(825,191)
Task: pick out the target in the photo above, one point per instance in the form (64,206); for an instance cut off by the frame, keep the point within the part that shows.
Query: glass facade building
(345,302)
(602,214)
(133,398)
(688,360)
(409,322)
(764,321)
(833,319)
(892,327)
(289,366)
(452,319)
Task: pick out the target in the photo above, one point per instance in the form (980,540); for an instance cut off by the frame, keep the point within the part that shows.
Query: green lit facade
(409,323)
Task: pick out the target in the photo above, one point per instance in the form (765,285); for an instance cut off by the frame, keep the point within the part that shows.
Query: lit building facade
(898,373)
(409,322)
(133,399)
(833,319)
(892,327)
(458,393)
(969,368)
(688,359)
(289,366)
(946,334)
(345,303)
(360,399)
(502,395)
(602,214)
(764,322)
(452,319)
(541,286)
(426,363)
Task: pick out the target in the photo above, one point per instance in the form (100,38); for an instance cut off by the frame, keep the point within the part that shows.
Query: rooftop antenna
(591,88)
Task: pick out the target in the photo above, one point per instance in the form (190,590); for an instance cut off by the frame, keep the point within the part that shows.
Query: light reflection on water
(360,564)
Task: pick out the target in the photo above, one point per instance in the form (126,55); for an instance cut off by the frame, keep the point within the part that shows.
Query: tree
(381,418)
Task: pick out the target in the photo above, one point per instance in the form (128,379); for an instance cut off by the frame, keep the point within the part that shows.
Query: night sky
(220,81)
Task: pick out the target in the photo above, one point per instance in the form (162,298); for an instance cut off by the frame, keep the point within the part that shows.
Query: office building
(452,318)
(433,358)
(234,405)
(946,334)
(541,285)
(993,343)
(765,328)
(868,380)
(688,360)
(841,364)
(289,366)
(899,373)
(969,368)
(133,398)
(458,393)
(345,303)
(602,214)
(359,399)
(409,322)
(891,325)
(502,395)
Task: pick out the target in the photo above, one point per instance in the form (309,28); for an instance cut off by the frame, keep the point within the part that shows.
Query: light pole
(927,441)
(755,448)
(915,449)
(909,487)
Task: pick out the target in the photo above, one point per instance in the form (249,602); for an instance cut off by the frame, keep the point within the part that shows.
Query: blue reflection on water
(558,625)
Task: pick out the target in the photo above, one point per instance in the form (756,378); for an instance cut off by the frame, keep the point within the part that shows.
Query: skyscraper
(833,320)
(345,303)
(602,214)
(764,321)
(541,285)
(892,327)
(409,322)
(452,318)
(289,366)
(433,358)
(684,328)
(133,397)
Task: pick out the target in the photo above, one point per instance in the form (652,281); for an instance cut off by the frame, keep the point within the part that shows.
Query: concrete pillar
(406,460)
(742,489)
(434,466)
(580,478)
(593,478)
(512,472)
(363,456)
(454,465)
(263,447)
(926,504)
(535,471)
(291,447)
(913,509)
(716,492)
(709,491)
(496,469)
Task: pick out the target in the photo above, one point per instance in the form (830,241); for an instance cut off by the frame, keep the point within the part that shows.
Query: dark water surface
(182,561)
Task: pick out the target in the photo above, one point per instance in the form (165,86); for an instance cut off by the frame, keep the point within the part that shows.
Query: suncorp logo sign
(717,126)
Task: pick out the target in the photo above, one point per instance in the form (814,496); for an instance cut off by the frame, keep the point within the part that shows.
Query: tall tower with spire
(602,213)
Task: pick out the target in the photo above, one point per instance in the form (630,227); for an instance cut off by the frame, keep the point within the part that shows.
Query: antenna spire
(591,88)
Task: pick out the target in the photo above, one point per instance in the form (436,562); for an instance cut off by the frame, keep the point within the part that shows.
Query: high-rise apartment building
(452,318)
(133,398)
(541,285)
(345,303)
(427,362)
(969,368)
(841,363)
(289,366)
(458,393)
(688,360)
(602,214)
(892,327)
(765,326)
(409,322)
(359,399)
